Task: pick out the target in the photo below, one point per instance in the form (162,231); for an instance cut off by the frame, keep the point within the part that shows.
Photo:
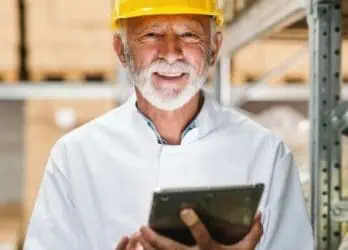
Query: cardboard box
(42,131)
(9,226)
(75,12)
(9,60)
(8,13)
(96,13)
(261,57)
(9,234)
(64,35)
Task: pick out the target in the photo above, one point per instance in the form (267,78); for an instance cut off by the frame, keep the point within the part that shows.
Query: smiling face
(168,56)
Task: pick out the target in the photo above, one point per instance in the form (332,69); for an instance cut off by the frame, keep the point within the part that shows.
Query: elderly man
(97,188)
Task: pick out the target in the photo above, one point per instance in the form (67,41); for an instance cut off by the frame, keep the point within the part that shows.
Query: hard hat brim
(173,10)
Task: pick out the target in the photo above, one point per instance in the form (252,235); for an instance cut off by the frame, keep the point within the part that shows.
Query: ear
(216,47)
(119,49)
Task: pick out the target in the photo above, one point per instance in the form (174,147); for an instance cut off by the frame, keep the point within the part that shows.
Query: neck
(171,124)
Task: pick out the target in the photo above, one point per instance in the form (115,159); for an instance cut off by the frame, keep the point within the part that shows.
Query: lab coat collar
(207,119)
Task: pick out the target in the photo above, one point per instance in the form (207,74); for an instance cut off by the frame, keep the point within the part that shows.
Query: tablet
(227,212)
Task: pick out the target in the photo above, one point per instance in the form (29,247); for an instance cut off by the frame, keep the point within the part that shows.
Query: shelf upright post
(325,23)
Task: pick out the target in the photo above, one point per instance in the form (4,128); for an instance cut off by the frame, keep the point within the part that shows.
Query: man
(97,188)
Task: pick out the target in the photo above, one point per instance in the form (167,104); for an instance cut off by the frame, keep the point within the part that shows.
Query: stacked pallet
(46,121)
(9,60)
(69,40)
(278,61)
(263,57)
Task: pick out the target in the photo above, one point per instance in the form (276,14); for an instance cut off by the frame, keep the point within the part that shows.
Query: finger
(145,244)
(132,244)
(257,217)
(139,246)
(123,243)
(157,241)
(255,234)
(198,230)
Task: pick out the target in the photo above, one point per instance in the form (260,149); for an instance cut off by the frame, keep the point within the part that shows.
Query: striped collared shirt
(160,139)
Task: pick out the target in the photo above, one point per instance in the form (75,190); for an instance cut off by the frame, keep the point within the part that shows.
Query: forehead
(164,21)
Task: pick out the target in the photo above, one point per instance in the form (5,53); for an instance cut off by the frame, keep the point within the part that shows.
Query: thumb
(197,228)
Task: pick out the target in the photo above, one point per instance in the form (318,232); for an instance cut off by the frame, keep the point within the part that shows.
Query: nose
(171,49)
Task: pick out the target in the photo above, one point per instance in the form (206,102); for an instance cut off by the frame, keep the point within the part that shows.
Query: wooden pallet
(72,75)
(241,78)
(9,76)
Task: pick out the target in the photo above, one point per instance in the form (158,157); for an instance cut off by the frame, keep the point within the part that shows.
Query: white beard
(167,98)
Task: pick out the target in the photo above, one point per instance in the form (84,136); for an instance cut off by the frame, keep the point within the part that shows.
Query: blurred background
(58,71)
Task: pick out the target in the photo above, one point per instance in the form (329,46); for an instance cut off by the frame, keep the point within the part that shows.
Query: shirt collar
(207,119)
(160,139)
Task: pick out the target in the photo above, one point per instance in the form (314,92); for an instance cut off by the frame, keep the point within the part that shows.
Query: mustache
(170,68)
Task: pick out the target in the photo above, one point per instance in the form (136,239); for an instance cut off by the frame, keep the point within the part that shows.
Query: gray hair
(122,31)
(213,31)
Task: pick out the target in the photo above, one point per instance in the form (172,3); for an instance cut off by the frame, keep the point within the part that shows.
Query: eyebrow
(152,26)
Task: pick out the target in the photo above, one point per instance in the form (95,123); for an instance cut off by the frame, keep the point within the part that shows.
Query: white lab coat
(99,179)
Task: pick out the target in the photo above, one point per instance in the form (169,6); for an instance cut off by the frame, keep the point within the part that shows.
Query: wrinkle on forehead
(139,24)
(136,27)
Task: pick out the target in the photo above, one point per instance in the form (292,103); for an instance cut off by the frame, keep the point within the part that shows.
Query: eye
(152,35)
(190,37)
(188,34)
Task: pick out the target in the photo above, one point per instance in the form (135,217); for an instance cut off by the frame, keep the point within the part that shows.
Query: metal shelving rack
(329,115)
(326,110)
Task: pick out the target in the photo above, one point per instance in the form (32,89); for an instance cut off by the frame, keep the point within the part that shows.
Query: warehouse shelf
(261,19)
(325,22)
(94,91)
(26,90)
(288,93)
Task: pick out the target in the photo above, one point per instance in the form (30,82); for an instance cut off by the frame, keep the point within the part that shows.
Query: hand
(150,240)
(130,243)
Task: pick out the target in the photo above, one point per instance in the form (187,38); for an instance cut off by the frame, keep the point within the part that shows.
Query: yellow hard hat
(133,8)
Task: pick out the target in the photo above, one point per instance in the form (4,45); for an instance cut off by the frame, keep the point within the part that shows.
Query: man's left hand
(150,240)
